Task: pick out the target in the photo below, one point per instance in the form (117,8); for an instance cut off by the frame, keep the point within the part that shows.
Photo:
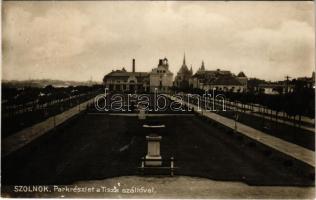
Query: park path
(27,135)
(283,146)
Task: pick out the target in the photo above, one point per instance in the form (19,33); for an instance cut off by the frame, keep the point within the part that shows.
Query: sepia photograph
(158,99)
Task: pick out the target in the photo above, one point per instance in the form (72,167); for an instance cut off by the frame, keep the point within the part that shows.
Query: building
(160,77)
(287,86)
(243,79)
(220,80)
(274,88)
(307,82)
(124,81)
(183,76)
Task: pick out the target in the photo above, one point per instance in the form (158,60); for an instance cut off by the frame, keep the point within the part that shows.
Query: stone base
(152,161)
(141,117)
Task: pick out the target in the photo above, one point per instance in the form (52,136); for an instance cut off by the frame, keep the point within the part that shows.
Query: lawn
(286,132)
(93,146)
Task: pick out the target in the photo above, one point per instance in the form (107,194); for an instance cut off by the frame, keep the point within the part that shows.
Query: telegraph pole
(287,83)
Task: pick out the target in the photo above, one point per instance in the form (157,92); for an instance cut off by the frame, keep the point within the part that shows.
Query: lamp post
(236,119)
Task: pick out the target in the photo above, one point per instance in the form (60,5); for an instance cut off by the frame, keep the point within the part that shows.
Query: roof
(184,70)
(119,73)
(123,75)
(241,74)
(211,73)
(225,80)
(217,77)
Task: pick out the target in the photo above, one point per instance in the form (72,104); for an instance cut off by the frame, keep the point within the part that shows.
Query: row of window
(124,87)
(161,71)
(118,81)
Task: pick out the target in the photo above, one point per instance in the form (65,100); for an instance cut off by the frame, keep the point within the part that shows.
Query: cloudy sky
(79,40)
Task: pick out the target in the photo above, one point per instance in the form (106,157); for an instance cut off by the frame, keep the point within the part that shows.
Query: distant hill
(44,82)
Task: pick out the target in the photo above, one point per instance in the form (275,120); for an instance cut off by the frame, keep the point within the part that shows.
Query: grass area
(18,122)
(286,132)
(90,147)
(288,119)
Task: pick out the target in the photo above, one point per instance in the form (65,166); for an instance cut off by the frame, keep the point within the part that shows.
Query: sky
(83,40)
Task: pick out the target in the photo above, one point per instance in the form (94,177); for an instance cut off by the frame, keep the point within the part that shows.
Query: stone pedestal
(141,114)
(153,157)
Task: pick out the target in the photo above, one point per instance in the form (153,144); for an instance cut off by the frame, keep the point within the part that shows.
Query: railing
(171,167)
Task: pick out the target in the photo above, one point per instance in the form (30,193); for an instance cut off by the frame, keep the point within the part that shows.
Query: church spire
(203,67)
(184,59)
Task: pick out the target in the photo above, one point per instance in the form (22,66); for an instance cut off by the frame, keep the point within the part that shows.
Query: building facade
(124,81)
(183,76)
(307,82)
(275,88)
(160,77)
(220,80)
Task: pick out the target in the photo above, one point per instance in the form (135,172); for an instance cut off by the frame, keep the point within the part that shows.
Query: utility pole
(287,83)
(236,119)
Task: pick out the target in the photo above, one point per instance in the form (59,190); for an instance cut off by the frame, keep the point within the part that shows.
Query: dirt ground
(179,187)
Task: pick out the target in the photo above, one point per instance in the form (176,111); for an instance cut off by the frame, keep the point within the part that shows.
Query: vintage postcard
(158,99)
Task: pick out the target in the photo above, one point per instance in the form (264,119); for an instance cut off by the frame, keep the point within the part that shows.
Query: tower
(202,67)
(184,66)
(133,70)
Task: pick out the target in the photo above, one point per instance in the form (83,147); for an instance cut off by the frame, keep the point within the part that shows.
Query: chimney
(133,65)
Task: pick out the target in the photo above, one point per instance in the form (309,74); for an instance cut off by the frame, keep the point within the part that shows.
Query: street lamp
(236,119)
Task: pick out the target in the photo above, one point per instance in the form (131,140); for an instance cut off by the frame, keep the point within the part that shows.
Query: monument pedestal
(141,114)
(153,161)
(153,157)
